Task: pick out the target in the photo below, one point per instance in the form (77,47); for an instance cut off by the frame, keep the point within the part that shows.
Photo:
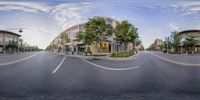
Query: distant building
(157,44)
(187,34)
(8,41)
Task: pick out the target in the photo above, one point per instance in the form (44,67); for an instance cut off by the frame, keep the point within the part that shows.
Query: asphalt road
(48,76)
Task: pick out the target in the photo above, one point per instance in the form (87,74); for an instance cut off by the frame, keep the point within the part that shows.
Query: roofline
(67,30)
(74,26)
(4,31)
(185,31)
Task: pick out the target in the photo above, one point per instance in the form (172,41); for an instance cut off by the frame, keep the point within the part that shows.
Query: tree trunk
(133,44)
(125,47)
(193,49)
(86,50)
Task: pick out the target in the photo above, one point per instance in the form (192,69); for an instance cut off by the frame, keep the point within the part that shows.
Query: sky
(43,20)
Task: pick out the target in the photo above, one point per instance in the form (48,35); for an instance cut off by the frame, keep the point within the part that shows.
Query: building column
(76,49)
(181,49)
(198,51)
(4,49)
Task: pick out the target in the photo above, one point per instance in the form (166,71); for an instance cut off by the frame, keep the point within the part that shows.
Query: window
(110,22)
(1,39)
(7,39)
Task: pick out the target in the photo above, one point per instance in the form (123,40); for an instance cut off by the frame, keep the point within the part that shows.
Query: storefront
(8,41)
(1,48)
(188,34)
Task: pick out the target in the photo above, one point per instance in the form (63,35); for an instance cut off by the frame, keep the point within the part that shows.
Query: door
(1,49)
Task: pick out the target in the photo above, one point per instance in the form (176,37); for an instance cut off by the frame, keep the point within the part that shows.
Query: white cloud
(173,26)
(187,8)
(66,15)
(70,14)
(189,4)
(24,6)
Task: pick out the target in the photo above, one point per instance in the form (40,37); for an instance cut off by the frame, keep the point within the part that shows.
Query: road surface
(48,76)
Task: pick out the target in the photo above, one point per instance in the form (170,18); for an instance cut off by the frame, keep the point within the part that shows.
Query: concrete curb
(116,59)
(101,58)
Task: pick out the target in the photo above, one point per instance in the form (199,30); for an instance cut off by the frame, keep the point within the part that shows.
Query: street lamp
(20,30)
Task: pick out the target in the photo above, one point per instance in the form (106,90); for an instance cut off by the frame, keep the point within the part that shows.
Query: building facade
(74,46)
(108,45)
(157,44)
(8,41)
(188,34)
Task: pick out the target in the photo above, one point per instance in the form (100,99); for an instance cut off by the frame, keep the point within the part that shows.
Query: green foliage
(64,38)
(190,42)
(175,40)
(53,46)
(86,37)
(133,34)
(141,48)
(122,54)
(122,32)
(13,44)
(151,47)
(97,27)
(95,30)
(126,32)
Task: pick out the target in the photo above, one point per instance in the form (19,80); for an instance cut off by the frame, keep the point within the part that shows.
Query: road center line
(54,71)
(115,69)
(20,60)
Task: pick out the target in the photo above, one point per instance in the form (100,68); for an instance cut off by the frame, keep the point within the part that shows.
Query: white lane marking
(20,60)
(54,71)
(115,69)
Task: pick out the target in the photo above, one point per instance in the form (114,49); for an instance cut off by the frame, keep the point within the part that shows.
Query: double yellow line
(16,61)
(176,62)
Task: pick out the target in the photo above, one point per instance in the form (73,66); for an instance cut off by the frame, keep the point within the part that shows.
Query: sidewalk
(102,57)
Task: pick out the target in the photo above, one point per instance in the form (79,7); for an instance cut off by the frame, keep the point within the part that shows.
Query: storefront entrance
(1,48)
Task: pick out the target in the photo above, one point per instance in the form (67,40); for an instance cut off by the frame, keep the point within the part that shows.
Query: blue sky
(43,20)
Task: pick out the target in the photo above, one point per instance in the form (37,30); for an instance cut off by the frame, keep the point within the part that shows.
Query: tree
(13,44)
(64,38)
(96,31)
(86,37)
(175,40)
(21,44)
(134,37)
(54,46)
(97,27)
(122,32)
(141,48)
(190,42)
(151,47)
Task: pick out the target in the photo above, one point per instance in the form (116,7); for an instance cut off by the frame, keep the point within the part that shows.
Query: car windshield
(99,50)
